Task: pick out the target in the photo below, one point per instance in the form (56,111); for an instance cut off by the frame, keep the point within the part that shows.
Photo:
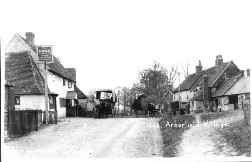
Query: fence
(86,114)
(25,121)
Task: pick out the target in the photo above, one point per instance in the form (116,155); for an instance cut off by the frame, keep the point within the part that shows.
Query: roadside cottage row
(222,87)
(24,87)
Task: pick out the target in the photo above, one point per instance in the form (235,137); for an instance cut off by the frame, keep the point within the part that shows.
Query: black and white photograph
(153,80)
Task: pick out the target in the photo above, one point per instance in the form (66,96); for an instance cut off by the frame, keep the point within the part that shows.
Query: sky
(110,41)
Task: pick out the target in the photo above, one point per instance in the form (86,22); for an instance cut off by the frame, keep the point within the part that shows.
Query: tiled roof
(72,71)
(56,67)
(240,87)
(59,69)
(215,75)
(80,94)
(193,80)
(226,86)
(22,72)
(189,82)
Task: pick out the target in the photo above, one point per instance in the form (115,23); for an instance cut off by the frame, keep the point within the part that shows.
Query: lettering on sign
(45,53)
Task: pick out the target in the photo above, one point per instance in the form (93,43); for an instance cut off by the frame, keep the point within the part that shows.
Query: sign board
(45,53)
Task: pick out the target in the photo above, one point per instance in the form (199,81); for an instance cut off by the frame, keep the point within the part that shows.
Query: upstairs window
(64,82)
(17,100)
(69,84)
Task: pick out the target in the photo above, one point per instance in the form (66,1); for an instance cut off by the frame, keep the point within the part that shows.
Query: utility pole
(46,95)
(179,91)
(118,100)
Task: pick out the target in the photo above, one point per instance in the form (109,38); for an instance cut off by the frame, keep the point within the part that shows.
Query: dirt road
(84,137)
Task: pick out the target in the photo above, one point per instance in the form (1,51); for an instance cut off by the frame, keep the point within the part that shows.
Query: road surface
(95,138)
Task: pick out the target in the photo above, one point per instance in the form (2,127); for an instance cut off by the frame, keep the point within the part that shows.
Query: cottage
(22,72)
(27,73)
(197,88)
(234,96)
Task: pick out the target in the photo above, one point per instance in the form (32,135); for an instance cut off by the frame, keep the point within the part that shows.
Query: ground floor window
(17,100)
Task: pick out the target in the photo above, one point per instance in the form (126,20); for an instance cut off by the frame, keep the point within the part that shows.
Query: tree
(172,74)
(136,105)
(91,96)
(149,99)
(125,97)
(153,80)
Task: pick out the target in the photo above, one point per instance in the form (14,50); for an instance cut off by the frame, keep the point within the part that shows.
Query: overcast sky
(110,41)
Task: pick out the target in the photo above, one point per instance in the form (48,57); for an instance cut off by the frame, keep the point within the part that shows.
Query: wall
(31,102)
(55,84)
(17,44)
(184,95)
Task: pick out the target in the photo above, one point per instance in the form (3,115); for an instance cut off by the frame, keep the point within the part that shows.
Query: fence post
(55,116)
(36,120)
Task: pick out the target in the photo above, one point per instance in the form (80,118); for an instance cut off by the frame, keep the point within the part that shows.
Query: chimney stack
(218,61)
(248,72)
(30,37)
(199,67)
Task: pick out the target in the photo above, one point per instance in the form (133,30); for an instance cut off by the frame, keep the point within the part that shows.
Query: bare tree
(172,74)
(185,70)
(91,96)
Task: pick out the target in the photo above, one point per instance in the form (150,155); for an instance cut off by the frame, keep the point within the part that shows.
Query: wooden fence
(25,121)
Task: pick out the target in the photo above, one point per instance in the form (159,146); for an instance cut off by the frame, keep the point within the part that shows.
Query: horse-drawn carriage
(105,103)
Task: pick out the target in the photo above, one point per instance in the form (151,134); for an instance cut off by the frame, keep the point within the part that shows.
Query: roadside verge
(172,129)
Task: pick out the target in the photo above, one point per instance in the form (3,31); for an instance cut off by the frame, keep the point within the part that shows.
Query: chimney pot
(199,67)
(218,61)
(248,72)
(30,37)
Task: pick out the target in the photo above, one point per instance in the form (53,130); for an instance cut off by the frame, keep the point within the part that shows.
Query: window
(64,82)
(69,84)
(17,100)
(62,102)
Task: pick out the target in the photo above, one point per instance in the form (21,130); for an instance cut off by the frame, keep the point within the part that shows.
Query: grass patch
(173,135)
(218,115)
(238,135)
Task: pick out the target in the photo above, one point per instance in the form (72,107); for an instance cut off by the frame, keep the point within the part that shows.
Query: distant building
(233,93)
(197,88)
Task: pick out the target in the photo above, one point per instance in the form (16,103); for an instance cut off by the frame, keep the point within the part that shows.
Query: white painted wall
(55,84)
(31,102)
(17,44)
(184,95)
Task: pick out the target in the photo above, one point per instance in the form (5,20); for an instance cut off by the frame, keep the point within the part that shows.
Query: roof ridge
(228,63)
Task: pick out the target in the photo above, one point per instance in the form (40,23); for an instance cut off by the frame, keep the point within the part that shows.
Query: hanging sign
(45,53)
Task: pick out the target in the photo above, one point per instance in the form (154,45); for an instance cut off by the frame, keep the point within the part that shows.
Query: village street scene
(76,93)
